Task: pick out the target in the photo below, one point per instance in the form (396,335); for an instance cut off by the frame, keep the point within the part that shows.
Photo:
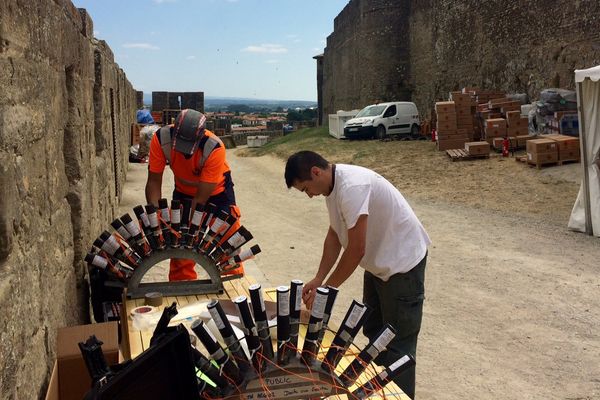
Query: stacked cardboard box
(448,135)
(542,151)
(567,146)
(494,128)
(464,112)
(517,125)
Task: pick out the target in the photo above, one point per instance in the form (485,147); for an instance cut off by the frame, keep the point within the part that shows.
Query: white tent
(585,216)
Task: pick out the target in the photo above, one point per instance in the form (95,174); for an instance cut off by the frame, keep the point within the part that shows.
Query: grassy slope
(423,173)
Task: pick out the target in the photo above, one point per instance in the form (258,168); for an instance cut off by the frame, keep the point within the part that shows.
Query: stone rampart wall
(65,113)
(422,49)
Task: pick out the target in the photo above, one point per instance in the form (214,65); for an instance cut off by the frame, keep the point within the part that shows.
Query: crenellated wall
(65,113)
(422,49)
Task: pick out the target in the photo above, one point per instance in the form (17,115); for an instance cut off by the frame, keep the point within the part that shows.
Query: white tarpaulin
(585,216)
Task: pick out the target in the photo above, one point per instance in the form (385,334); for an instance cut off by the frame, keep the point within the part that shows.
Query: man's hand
(309,291)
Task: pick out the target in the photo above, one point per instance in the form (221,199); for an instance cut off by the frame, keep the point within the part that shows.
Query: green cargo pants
(399,302)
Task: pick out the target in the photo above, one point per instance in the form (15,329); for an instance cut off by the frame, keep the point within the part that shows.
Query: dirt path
(512,308)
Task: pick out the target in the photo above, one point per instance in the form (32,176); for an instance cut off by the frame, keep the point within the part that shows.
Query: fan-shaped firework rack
(209,236)
(318,366)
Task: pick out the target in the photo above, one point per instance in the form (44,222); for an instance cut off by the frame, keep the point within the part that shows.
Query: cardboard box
(477,148)
(569,155)
(542,158)
(495,127)
(513,117)
(568,147)
(445,107)
(446,117)
(463,112)
(451,144)
(70,379)
(492,102)
(446,126)
(517,130)
(498,142)
(539,146)
(452,136)
(522,140)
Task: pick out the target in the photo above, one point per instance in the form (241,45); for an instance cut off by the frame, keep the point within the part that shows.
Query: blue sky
(258,49)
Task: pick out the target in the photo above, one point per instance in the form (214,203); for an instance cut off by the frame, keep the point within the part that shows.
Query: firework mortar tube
(165,216)
(125,235)
(355,318)
(385,377)
(185,218)
(143,220)
(155,226)
(333,292)
(260,317)
(226,330)
(175,223)
(311,340)
(240,258)
(217,353)
(195,223)
(249,328)
(233,243)
(283,325)
(295,306)
(359,364)
(137,234)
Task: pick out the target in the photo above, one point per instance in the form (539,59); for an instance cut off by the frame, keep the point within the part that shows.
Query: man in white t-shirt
(373,223)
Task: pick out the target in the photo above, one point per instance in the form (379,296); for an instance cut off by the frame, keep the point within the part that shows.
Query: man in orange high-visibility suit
(197,158)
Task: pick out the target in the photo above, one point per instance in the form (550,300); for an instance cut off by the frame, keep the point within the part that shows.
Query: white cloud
(266,49)
(144,46)
(190,58)
(96,33)
(272,61)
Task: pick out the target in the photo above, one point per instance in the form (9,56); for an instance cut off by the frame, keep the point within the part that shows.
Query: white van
(384,119)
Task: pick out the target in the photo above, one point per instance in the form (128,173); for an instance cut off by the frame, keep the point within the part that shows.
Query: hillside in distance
(213,103)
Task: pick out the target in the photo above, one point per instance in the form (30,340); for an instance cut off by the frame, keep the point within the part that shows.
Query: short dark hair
(299,164)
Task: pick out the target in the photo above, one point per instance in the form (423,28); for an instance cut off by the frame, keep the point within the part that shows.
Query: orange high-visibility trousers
(181,269)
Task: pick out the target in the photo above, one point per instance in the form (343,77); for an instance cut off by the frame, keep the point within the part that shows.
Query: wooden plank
(231,290)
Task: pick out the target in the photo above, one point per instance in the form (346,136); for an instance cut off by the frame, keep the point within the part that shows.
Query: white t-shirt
(396,240)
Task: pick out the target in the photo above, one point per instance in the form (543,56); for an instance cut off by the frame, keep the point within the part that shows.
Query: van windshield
(370,111)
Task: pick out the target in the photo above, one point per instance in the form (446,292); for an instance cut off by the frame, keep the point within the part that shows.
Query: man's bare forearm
(331,251)
(153,188)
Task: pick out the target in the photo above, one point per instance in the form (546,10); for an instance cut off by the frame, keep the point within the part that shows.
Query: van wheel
(415,132)
(380,134)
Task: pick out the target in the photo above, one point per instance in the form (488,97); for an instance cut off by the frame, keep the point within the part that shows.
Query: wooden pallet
(524,159)
(462,155)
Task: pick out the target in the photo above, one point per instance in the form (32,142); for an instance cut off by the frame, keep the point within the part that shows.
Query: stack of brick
(446,127)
